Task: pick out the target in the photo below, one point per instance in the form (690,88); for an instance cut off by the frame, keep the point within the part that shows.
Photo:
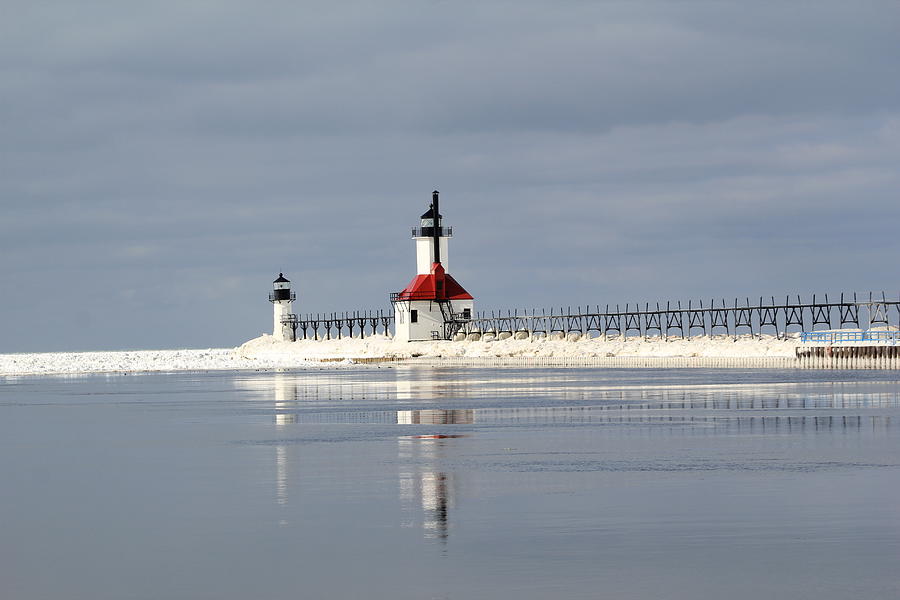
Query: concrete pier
(848,357)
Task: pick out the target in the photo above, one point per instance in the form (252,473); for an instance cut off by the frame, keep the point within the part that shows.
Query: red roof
(435,286)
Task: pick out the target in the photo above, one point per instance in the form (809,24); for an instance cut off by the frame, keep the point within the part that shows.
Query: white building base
(280,331)
(422,320)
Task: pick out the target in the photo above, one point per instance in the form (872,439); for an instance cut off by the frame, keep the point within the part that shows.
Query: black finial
(436,227)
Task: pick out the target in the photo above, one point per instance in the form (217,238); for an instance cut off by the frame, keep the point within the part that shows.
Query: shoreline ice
(135,361)
(378,346)
(265,352)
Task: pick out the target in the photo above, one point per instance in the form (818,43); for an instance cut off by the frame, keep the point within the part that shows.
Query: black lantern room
(281,290)
(428,222)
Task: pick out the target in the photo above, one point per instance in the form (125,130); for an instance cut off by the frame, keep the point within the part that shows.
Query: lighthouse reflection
(286,399)
(436,417)
(428,490)
(424,482)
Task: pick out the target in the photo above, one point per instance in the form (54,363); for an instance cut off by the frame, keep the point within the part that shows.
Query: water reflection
(428,438)
(424,483)
(304,392)
(281,475)
(286,398)
(685,492)
(436,417)
(684,420)
(651,419)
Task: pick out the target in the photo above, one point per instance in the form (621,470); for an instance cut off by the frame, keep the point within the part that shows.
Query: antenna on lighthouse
(436,229)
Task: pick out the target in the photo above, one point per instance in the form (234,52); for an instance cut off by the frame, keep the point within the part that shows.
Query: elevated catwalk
(674,319)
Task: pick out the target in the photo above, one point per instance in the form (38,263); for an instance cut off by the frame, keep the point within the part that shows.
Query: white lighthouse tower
(433,306)
(281,297)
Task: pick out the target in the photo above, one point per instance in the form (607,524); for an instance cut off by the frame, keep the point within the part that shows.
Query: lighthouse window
(414,316)
(467,313)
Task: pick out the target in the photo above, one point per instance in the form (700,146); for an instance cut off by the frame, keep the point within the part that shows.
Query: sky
(161,162)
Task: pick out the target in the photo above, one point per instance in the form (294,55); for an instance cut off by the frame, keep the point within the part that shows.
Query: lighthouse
(433,306)
(285,322)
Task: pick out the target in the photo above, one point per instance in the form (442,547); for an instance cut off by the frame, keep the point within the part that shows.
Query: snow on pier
(134,361)
(265,352)
(378,346)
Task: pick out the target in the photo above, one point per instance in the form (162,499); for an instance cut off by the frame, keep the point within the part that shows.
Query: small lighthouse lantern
(434,306)
(284,325)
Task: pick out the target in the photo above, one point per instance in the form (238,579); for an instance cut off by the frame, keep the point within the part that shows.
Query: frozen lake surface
(419,482)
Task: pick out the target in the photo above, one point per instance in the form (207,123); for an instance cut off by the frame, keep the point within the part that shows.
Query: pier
(672,319)
(847,332)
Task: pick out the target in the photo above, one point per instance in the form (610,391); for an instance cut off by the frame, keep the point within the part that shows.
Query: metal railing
(273,298)
(429,231)
(676,319)
(680,320)
(883,338)
(345,324)
(402,296)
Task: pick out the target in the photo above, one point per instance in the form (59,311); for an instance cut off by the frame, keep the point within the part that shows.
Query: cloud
(157,156)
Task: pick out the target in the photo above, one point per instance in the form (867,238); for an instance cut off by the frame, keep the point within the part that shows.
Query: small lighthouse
(285,322)
(433,306)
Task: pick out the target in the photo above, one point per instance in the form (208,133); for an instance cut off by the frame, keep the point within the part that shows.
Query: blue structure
(834,338)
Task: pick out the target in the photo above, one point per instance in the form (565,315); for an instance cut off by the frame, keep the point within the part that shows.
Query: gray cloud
(159,163)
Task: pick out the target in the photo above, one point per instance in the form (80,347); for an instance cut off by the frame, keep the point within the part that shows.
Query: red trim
(435,286)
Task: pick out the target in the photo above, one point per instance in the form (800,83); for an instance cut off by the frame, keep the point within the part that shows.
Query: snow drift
(265,352)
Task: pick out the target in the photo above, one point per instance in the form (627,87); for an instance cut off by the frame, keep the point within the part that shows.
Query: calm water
(452,483)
